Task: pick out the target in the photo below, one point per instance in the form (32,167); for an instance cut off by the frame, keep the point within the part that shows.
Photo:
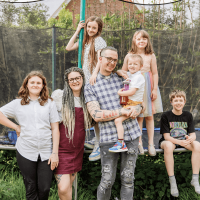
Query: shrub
(151,179)
(8,160)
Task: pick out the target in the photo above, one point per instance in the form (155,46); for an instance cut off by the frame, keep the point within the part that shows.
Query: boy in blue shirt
(177,129)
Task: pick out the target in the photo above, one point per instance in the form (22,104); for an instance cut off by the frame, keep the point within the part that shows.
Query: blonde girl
(141,45)
(92,45)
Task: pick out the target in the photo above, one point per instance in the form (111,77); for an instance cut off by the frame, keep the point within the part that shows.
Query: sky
(52,4)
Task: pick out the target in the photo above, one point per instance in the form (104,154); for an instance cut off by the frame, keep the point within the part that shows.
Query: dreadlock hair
(68,108)
(92,54)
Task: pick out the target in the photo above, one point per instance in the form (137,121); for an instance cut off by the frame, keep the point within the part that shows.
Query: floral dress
(99,44)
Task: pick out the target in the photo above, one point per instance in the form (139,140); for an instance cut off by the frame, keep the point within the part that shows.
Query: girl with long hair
(142,46)
(37,118)
(92,45)
(74,120)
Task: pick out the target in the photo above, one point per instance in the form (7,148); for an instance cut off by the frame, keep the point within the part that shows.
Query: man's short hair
(177,93)
(136,56)
(107,48)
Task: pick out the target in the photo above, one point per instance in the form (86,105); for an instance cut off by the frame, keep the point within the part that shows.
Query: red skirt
(71,151)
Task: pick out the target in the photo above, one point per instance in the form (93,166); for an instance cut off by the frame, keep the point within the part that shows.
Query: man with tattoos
(104,106)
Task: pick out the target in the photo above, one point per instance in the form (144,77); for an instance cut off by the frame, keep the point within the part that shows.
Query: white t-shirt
(57,98)
(137,81)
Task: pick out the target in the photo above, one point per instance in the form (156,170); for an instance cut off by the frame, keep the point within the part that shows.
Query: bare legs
(169,158)
(119,126)
(120,145)
(168,148)
(169,163)
(65,182)
(140,122)
(150,131)
(150,128)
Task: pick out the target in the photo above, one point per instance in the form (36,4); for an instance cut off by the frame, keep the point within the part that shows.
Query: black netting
(178,56)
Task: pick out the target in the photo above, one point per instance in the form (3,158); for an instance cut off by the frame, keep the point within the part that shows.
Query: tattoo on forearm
(104,115)
(94,116)
(58,177)
(94,109)
(108,115)
(93,106)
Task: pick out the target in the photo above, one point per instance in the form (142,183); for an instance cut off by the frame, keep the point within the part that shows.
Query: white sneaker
(95,155)
(90,144)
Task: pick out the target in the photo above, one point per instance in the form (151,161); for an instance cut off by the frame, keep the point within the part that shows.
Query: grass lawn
(12,188)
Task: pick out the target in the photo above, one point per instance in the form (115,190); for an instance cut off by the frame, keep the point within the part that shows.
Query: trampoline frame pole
(81,34)
(53,58)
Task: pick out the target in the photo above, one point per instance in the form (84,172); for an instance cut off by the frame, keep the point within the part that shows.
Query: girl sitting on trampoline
(142,46)
(177,129)
(92,45)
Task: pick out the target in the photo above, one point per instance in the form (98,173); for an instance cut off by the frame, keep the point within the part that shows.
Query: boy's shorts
(176,145)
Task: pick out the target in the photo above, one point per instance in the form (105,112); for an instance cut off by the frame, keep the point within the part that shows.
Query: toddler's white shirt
(137,81)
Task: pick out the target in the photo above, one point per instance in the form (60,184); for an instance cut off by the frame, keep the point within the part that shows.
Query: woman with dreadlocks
(74,119)
(92,45)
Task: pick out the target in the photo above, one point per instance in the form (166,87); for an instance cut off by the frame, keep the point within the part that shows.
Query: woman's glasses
(78,78)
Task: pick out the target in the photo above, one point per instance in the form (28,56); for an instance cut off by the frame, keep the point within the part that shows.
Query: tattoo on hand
(137,109)
(58,178)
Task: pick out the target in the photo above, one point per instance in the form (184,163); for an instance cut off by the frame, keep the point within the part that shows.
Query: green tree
(33,16)
(64,19)
(24,16)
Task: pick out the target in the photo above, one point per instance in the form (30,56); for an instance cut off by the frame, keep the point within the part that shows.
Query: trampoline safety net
(177,53)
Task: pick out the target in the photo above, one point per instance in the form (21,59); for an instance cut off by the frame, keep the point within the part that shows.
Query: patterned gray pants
(109,168)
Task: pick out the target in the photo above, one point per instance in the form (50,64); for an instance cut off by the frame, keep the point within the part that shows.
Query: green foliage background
(151,179)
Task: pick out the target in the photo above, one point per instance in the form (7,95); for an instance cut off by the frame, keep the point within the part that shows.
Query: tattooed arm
(106,115)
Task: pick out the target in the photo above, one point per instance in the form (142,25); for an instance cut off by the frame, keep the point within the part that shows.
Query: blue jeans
(109,168)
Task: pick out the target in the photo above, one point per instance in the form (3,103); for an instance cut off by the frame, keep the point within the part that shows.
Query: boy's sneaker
(90,144)
(118,147)
(95,155)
